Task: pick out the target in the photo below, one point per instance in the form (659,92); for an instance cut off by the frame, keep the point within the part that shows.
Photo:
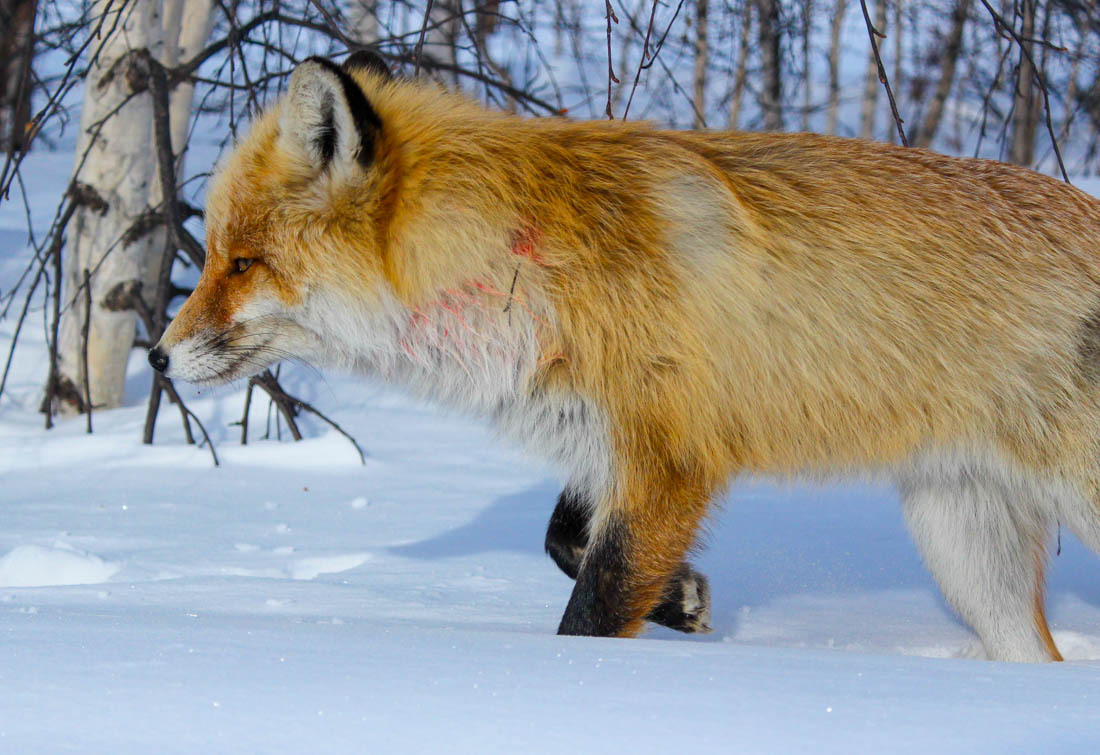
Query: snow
(38,566)
(293,600)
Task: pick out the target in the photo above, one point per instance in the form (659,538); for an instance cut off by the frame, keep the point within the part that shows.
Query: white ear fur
(316,118)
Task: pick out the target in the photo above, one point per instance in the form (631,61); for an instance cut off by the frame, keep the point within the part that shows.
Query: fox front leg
(606,600)
(685,604)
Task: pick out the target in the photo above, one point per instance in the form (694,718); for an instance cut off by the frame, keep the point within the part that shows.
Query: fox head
(292,219)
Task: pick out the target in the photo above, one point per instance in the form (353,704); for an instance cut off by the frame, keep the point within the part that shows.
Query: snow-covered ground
(293,600)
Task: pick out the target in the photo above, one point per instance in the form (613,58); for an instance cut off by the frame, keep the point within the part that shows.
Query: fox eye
(241,264)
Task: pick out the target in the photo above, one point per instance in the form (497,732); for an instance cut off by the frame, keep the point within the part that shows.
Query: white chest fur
(476,352)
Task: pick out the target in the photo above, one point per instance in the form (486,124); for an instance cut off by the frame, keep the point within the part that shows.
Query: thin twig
(55,366)
(84,346)
(1001,25)
(511,294)
(244,414)
(647,64)
(872,32)
(420,41)
(611,78)
(162,384)
(520,95)
(152,409)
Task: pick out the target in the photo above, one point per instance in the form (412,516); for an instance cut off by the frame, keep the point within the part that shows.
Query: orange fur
(1041,625)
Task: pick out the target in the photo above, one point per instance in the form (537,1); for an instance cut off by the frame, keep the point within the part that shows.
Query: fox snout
(204,345)
(226,331)
(158,359)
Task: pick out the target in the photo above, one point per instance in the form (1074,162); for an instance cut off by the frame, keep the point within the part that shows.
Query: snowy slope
(292,600)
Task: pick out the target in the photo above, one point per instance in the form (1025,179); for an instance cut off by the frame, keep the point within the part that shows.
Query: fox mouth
(243,365)
(221,363)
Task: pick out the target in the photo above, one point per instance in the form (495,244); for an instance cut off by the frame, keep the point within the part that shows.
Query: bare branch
(420,41)
(1004,28)
(872,33)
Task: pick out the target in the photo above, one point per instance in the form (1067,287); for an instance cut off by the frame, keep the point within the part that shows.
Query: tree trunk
(1025,114)
(835,28)
(871,83)
(121,187)
(702,52)
(741,68)
(771,97)
(949,60)
(16,54)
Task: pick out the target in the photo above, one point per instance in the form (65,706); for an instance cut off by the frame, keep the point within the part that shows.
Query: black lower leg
(686,603)
(597,606)
(567,535)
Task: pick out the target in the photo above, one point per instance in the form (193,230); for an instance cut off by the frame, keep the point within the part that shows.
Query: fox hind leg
(984,537)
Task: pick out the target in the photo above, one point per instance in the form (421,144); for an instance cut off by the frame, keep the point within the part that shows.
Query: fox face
(302,185)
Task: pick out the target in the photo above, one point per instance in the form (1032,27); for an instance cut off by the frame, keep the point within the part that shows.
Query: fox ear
(367,60)
(326,114)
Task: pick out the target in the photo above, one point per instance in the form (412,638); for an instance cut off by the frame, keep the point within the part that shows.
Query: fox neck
(464,351)
(455,350)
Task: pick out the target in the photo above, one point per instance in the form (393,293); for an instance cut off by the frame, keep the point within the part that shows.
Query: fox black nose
(158,359)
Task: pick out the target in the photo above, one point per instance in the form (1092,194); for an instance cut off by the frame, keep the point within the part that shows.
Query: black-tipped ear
(367,60)
(326,114)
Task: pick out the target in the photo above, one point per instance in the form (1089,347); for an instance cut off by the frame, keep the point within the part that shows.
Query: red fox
(660,312)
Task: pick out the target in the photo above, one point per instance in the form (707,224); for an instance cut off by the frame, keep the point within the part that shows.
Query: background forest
(133,87)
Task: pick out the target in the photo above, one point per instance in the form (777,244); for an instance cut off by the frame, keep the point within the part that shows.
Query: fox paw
(686,603)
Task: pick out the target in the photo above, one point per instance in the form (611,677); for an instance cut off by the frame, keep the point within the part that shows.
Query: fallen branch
(289,405)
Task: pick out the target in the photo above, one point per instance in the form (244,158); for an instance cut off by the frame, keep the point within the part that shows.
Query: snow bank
(35,566)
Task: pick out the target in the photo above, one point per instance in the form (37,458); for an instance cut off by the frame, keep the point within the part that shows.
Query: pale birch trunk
(948,62)
(702,54)
(835,27)
(120,170)
(871,83)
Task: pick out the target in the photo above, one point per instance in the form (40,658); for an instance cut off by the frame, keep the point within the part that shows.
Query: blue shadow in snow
(515,522)
(766,541)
